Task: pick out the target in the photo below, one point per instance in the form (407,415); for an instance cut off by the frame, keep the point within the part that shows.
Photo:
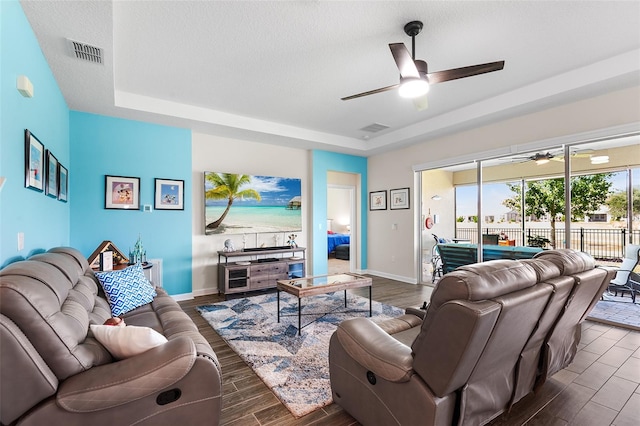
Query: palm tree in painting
(226,186)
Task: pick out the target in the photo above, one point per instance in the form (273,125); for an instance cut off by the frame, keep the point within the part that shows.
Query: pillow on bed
(330,232)
(124,342)
(126,289)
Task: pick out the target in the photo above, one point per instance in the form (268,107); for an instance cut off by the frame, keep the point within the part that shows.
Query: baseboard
(182,297)
(189,296)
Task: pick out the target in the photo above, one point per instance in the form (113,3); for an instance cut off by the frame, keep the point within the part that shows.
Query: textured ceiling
(274,72)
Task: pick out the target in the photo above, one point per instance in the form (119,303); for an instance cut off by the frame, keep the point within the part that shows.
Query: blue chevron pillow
(126,289)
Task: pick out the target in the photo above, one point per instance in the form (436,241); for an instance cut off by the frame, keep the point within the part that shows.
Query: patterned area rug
(295,368)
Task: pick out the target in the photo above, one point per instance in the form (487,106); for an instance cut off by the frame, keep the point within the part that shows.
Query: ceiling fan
(414,76)
(544,157)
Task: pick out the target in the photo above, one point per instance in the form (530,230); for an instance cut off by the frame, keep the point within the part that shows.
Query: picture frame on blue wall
(51,183)
(169,194)
(33,162)
(122,192)
(63,183)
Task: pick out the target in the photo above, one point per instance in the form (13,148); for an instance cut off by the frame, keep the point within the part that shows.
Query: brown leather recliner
(489,333)
(55,372)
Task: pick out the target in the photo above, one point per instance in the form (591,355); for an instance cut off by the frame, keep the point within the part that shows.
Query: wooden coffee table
(310,286)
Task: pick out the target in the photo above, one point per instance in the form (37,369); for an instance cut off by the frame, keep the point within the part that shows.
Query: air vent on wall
(85,52)
(374,128)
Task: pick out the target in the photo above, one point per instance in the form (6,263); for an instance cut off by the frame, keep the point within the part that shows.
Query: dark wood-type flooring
(601,387)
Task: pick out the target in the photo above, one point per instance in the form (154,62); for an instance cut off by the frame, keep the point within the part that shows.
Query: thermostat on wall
(146,208)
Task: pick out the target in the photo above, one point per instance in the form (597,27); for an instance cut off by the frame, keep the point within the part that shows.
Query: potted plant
(537,241)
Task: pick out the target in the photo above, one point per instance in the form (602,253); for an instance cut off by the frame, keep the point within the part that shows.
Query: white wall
(392,251)
(217,154)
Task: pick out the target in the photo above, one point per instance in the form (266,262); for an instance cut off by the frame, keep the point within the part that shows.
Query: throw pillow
(126,289)
(124,342)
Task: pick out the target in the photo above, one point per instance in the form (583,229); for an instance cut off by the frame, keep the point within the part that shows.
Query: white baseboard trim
(408,280)
(182,297)
(189,296)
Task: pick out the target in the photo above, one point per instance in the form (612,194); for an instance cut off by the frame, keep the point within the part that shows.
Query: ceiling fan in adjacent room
(414,76)
(544,157)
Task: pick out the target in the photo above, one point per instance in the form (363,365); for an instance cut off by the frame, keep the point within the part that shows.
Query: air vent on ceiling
(374,128)
(85,52)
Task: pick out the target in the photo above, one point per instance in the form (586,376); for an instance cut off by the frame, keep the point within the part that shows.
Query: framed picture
(270,204)
(122,192)
(378,200)
(33,162)
(106,261)
(399,198)
(63,182)
(51,183)
(169,194)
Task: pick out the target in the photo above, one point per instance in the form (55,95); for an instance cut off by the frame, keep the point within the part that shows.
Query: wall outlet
(20,241)
(393,259)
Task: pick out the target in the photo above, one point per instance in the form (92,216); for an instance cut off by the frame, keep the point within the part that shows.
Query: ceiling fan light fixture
(541,161)
(599,159)
(412,87)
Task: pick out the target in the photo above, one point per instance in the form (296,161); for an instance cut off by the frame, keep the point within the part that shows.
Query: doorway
(341,223)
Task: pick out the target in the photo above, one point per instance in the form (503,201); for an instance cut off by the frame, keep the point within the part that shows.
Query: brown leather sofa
(492,333)
(54,372)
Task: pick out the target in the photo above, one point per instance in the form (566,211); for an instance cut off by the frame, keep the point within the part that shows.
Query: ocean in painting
(254,219)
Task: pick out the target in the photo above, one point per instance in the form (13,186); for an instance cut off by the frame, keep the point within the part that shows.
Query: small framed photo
(51,184)
(106,261)
(378,200)
(33,162)
(63,183)
(399,198)
(169,194)
(122,192)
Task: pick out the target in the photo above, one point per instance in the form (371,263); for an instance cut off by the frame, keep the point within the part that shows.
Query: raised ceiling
(274,72)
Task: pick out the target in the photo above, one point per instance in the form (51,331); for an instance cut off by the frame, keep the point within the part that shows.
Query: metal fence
(603,244)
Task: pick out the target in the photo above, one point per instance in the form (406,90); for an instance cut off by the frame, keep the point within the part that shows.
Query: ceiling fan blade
(404,61)
(456,73)
(370,92)
(421,103)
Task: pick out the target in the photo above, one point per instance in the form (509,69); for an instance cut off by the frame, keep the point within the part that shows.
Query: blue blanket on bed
(334,240)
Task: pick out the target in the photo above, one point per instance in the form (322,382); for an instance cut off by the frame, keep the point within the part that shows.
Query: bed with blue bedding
(334,240)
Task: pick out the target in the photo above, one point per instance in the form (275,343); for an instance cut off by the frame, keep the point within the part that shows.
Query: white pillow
(124,342)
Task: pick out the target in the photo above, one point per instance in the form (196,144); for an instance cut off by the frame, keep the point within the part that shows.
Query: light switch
(20,241)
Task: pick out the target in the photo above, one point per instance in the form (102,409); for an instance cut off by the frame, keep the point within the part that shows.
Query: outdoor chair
(436,261)
(490,239)
(626,280)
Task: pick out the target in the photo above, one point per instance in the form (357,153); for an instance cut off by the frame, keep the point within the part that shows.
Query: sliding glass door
(524,200)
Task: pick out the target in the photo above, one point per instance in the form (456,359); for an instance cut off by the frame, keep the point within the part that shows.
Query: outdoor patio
(617,310)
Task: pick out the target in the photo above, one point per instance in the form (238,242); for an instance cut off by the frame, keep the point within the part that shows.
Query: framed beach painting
(169,194)
(51,182)
(33,162)
(245,204)
(122,192)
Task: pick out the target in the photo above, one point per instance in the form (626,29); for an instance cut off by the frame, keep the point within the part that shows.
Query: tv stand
(258,268)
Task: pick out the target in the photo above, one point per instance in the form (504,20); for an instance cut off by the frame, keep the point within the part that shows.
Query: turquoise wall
(111,146)
(43,220)
(323,162)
